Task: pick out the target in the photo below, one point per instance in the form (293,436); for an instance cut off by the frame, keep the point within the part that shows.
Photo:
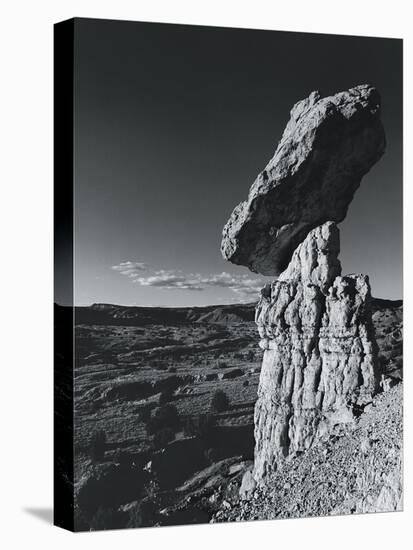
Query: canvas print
(228,275)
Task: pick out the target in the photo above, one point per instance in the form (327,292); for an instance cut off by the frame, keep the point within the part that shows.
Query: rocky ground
(130,359)
(122,370)
(357,469)
(388,323)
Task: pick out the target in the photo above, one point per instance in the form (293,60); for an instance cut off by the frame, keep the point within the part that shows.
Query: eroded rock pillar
(320,353)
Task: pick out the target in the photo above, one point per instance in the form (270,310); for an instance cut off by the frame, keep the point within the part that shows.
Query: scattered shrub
(163,437)
(250,355)
(98,445)
(202,426)
(219,402)
(145,414)
(246,383)
(123,458)
(172,369)
(169,384)
(165,416)
(165,396)
(211,455)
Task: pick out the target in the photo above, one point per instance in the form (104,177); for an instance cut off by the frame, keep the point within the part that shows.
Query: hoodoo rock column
(315,325)
(320,353)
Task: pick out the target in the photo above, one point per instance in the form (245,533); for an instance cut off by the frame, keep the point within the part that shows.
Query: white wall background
(26,273)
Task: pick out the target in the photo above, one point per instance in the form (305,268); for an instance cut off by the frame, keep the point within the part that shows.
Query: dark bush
(98,445)
(124,458)
(168,384)
(160,367)
(202,426)
(172,369)
(165,396)
(164,417)
(250,355)
(219,401)
(246,383)
(163,437)
(211,455)
(145,414)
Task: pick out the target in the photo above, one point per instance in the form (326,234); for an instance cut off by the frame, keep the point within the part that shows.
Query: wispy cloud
(244,286)
(171,279)
(130,269)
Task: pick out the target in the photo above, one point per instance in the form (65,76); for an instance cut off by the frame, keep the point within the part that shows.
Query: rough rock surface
(320,353)
(328,145)
(357,469)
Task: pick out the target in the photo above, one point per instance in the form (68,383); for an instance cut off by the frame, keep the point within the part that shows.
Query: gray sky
(173,123)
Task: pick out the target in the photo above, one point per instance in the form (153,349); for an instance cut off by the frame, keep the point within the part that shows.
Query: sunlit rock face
(320,353)
(327,147)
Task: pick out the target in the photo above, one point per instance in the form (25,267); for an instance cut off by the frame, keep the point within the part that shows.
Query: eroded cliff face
(320,353)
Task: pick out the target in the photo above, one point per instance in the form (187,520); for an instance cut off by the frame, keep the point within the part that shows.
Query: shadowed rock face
(320,353)
(328,145)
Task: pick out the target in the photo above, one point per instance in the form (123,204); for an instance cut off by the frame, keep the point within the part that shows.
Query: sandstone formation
(320,353)
(328,145)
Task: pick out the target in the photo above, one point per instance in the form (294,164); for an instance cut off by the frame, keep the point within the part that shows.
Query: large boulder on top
(328,145)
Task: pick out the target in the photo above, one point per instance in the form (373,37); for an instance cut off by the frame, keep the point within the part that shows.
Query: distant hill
(111,314)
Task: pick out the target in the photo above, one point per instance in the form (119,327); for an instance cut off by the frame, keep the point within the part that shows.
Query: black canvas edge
(63,489)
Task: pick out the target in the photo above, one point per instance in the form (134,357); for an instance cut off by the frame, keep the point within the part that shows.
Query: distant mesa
(327,147)
(111,314)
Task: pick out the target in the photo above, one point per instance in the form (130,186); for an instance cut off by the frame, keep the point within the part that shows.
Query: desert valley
(153,446)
